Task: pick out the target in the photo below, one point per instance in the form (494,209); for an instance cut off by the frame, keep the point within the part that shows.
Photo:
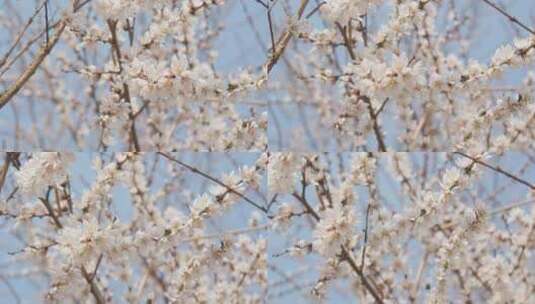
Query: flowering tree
(257,151)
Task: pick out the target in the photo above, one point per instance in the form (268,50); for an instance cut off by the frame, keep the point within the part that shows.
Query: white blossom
(343,10)
(450,178)
(336,228)
(282,172)
(42,170)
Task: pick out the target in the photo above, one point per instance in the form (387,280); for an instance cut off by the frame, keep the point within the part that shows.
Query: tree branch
(283,41)
(497,169)
(6,96)
(112,24)
(21,34)
(375,123)
(213,179)
(99,298)
(3,173)
(509,16)
(97,294)
(346,255)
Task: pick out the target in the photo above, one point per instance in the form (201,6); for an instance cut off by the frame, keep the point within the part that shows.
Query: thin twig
(46,21)
(358,271)
(509,16)
(365,236)
(419,274)
(99,298)
(94,274)
(6,96)
(382,107)
(307,206)
(21,34)
(51,212)
(497,169)
(314,10)
(213,179)
(365,30)
(522,250)
(77,5)
(283,41)
(23,49)
(159,280)
(3,173)
(112,25)
(262,3)
(272,201)
(345,252)
(347,41)
(375,124)
(510,207)
(11,289)
(271,35)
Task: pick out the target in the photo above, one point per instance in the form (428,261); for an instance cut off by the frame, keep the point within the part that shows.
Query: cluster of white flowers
(203,205)
(378,80)
(79,243)
(282,169)
(110,9)
(336,228)
(342,11)
(450,179)
(363,168)
(43,170)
